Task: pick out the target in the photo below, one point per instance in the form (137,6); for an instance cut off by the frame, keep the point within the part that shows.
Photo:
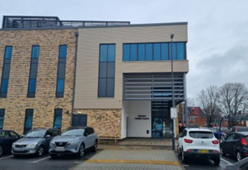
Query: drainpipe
(74,80)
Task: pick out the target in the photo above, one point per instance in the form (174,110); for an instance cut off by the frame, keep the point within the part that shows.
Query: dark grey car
(35,141)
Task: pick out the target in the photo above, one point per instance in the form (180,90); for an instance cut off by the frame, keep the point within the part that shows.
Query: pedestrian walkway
(147,142)
(127,158)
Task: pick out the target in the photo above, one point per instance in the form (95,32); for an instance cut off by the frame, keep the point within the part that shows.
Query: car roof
(76,127)
(243,133)
(199,129)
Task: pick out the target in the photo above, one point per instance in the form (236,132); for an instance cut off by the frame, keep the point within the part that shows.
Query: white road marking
(40,160)
(6,157)
(226,161)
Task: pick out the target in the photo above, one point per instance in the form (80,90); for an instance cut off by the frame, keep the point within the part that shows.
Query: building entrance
(161,122)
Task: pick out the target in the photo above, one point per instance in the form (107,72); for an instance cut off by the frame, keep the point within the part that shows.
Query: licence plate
(60,149)
(203,151)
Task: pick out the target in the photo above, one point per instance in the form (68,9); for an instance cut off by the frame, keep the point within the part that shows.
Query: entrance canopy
(154,86)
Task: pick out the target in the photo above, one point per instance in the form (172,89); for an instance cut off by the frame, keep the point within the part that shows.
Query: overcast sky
(217,47)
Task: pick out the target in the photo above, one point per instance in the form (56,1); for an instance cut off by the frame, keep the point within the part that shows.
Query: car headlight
(73,142)
(32,145)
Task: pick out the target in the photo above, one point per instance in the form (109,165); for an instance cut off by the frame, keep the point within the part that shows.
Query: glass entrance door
(161,127)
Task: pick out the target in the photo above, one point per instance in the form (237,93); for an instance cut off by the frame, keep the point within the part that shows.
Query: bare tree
(208,101)
(233,100)
(190,102)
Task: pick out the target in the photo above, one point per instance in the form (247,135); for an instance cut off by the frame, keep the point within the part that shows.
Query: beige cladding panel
(88,60)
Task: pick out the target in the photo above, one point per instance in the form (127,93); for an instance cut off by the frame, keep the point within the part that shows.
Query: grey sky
(217,46)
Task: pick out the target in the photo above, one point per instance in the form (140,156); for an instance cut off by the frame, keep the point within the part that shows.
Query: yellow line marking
(133,161)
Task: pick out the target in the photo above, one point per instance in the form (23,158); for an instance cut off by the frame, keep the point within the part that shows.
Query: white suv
(200,143)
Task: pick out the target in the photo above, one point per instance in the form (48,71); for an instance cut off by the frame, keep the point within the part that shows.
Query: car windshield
(73,132)
(201,134)
(35,134)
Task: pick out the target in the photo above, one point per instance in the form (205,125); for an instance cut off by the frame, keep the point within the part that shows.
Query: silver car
(75,140)
(35,141)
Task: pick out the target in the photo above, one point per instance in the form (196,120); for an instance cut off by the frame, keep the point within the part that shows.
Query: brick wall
(45,101)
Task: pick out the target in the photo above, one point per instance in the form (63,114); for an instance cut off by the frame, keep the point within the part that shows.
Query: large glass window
(61,71)
(107,70)
(57,118)
(154,51)
(6,71)
(2,112)
(33,71)
(28,120)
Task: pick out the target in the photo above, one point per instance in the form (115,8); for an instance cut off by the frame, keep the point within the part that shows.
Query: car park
(35,141)
(241,165)
(7,138)
(74,140)
(198,143)
(235,144)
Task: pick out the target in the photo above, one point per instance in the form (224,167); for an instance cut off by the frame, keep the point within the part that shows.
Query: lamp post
(172,86)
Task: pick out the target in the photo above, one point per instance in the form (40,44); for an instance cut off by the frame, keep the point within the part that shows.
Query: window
(2,112)
(13,134)
(6,71)
(201,134)
(106,70)
(61,71)
(28,120)
(154,51)
(79,120)
(33,71)
(57,118)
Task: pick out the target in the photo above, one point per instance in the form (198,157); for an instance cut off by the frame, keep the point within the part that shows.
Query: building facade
(113,76)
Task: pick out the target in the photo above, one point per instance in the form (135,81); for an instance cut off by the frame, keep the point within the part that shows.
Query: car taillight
(189,150)
(215,142)
(243,142)
(188,140)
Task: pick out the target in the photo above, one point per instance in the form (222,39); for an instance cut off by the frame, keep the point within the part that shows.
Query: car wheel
(53,156)
(179,151)
(40,151)
(1,150)
(95,147)
(217,161)
(81,151)
(238,156)
(184,158)
(222,152)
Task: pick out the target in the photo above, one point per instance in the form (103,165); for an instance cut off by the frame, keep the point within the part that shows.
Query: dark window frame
(107,77)
(7,61)
(61,60)
(58,114)
(2,115)
(152,51)
(31,112)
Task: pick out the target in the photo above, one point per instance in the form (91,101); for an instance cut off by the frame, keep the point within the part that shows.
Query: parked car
(235,144)
(35,141)
(74,141)
(240,165)
(239,129)
(218,134)
(198,143)
(7,137)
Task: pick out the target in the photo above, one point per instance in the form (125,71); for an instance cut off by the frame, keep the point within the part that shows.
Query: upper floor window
(106,76)
(154,51)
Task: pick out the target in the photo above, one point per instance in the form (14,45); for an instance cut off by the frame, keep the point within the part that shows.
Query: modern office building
(113,76)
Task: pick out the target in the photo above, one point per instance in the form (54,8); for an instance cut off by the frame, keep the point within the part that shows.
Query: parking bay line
(39,160)
(6,157)
(226,161)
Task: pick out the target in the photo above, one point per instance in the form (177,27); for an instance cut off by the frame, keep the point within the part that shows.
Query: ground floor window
(28,120)
(2,111)
(57,118)
(79,120)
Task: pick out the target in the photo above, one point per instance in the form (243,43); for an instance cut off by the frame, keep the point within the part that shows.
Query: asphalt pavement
(205,164)
(8,162)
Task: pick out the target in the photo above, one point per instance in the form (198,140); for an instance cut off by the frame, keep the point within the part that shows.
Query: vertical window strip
(57,122)
(33,71)
(6,71)
(61,71)
(2,113)
(154,51)
(107,69)
(28,120)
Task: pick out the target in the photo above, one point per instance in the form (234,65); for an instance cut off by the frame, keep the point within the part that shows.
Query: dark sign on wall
(141,117)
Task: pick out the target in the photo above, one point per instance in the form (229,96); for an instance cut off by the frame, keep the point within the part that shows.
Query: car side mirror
(86,134)
(48,136)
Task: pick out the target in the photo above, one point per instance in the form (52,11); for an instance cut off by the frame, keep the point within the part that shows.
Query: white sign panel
(173,111)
